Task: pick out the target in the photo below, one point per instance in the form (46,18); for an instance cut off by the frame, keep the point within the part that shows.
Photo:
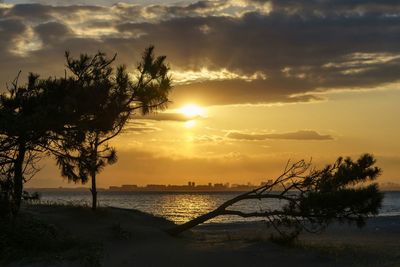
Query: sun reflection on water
(183,207)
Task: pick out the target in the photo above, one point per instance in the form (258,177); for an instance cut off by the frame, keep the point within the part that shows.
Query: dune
(122,237)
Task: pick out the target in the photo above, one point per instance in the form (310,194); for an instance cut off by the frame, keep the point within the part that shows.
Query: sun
(191,111)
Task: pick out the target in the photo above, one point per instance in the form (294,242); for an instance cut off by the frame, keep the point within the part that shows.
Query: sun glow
(192,111)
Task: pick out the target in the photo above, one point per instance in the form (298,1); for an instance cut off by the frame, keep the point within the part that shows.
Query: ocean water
(181,207)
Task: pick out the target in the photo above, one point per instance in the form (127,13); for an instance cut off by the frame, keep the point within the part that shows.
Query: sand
(133,238)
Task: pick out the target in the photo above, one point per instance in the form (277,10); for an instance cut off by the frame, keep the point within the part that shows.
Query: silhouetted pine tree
(107,98)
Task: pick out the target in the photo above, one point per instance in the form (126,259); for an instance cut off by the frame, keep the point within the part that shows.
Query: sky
(256,83)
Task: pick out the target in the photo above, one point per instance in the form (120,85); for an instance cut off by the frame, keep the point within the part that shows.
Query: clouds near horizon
(298,135)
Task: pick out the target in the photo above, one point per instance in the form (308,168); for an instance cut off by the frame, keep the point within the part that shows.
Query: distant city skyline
(386,186)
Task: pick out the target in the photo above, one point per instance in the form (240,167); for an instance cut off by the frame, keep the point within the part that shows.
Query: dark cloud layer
(337,7)
(299,135)
(298,46)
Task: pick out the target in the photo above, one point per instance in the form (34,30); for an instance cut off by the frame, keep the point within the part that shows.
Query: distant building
(203,188)
(129,186)
(156,186)
(189,187)
(219,186)
(240,187)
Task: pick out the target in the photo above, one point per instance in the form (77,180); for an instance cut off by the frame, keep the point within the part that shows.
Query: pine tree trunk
(94,191)
(18,178)
(94,171)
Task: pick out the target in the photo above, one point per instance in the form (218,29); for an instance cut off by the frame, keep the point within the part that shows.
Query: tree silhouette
(23,130)
(107,98)
(74,117)
(313,198)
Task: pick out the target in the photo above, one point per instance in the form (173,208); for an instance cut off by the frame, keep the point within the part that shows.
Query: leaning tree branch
(312,198)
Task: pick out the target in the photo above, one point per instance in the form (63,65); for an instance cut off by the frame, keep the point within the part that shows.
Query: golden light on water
(183,207)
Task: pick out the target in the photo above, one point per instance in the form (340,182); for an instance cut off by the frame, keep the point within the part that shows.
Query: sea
(181,207)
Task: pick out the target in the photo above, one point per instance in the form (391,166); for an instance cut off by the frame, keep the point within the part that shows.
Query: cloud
(140,127)
(242,92)
(221,52)
(182,77)
(208,139)
(299,135)
(164,116)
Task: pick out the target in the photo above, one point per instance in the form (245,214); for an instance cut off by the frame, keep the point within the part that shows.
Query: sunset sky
(255,82)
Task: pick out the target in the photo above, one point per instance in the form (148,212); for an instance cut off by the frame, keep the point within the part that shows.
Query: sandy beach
(120,237)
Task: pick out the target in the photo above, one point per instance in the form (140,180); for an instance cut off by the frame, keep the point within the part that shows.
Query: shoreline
(127,237)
